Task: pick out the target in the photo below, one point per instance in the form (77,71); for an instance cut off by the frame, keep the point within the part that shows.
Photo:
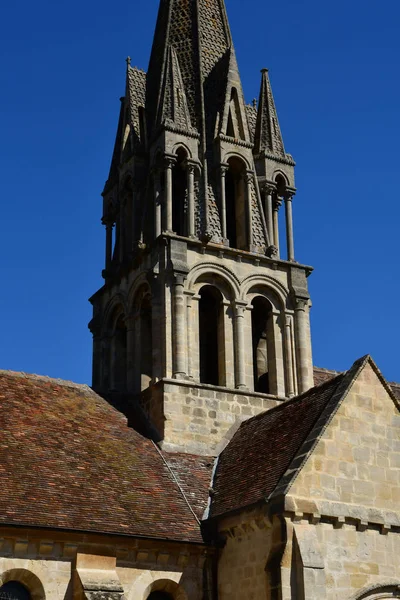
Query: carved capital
(248,177)
(169,161)
(179,279)
(269,188)
(277,203)
(224,168)
(301,304)
(289,194)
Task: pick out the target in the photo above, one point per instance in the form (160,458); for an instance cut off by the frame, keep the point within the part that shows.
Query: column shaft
(178,329)
(239,348)
(122,232)
(248,180)
(289,228)
(224,169)
(277,204)
(157,205)
(302,342)
(109,228)
(289,357)
(190,187)
(168,194)
(268,215)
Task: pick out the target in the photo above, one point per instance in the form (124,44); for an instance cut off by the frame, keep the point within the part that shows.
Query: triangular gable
(173,106)
(234,122)
(351,457)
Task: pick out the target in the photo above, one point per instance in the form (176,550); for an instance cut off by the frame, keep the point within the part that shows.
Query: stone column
(109,229)
(157,204)
(249,176)
(240,370)
(268,192)
(289,357)
(190,171)
(223,170)
(168,163)
(303,342)
(122,231)
(131,358)
(178,328)
(277,203)
(289,226)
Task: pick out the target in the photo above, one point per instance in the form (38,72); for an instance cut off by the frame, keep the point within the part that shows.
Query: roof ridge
(46,378)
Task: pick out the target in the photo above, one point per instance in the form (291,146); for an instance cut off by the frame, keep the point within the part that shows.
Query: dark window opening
(259,323)
(236,209)
(160,596)
(13,590)
(146,344)
(211,336)
(179,194)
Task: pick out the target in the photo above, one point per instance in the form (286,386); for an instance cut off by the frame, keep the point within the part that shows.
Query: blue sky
(334,68)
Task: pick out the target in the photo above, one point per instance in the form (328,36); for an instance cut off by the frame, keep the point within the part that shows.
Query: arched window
(280,224)
(146,343)
(179,194)
(211,336)
(235,198)
(160,596)
(263,347)
(118,355)
(13,590)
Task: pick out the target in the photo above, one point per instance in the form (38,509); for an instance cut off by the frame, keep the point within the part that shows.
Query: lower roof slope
(259,454)
(68,460)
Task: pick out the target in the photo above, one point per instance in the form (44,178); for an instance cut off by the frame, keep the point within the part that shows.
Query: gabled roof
(268,451)
(68,460)
(251,466)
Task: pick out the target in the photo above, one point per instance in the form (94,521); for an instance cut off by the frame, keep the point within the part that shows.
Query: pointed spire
(199,33)
(268,136)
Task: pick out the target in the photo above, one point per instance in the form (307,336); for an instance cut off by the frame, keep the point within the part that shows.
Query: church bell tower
(203,318)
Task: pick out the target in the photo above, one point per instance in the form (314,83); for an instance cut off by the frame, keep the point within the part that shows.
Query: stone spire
(268,136)
(199,36)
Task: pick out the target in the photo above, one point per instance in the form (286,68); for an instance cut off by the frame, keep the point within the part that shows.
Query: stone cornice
(340,514)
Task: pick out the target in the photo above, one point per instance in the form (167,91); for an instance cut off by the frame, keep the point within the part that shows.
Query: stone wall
(78,567)
(242,562)
(347,494)
(199,418)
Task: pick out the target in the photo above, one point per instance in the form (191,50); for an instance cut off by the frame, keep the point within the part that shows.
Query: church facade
(210,459)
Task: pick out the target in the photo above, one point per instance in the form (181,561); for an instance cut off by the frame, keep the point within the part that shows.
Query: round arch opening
(211,336)
(179,193)
(262,343)
(14,590)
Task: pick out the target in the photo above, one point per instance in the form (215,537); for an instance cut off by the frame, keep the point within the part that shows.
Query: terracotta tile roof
(322,375)
(251,466)
(68,460)
(193,474)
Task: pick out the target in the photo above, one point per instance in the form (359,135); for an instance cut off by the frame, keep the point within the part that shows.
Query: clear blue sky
(335,73)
